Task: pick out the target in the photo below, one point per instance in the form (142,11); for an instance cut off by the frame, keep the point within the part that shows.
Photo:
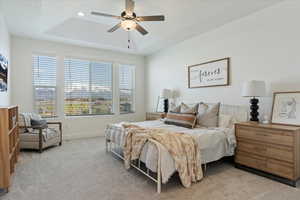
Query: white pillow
(226,121)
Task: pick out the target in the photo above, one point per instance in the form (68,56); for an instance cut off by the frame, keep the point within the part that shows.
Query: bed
(155,161)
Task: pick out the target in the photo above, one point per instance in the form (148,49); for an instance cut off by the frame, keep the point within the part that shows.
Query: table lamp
(166,94)
(254,89)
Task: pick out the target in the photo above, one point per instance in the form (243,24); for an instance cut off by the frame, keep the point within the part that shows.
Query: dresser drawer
(256,162)
(280,169)
(265,135)
(271,151)
(268,165)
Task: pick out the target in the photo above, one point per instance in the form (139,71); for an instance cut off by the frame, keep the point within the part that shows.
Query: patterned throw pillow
(208,114)
(186,120)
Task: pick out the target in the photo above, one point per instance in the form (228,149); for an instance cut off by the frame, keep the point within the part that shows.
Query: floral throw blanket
(182,147)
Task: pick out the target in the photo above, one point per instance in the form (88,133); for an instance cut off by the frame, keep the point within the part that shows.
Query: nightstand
(155,115)
(269,150)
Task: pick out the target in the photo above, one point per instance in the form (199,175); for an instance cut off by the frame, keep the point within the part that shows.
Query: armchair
(39,137)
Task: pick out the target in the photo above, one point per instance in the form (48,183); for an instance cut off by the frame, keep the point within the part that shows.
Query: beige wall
(262,46)
(5,50)
(74,127)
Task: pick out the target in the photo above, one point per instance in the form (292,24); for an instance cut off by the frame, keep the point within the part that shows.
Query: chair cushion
(48,133)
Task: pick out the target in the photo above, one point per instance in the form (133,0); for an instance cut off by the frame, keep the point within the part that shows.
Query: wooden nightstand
(155,115)
(269,150)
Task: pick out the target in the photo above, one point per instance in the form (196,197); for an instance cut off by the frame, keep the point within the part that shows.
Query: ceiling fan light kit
(129,19)
(128,25)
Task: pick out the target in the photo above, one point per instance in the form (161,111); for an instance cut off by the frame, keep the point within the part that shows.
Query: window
(88,88)
(44,85)
(126,87)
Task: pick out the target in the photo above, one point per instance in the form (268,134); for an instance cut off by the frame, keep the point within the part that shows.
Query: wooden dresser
(274,149)
(9,144)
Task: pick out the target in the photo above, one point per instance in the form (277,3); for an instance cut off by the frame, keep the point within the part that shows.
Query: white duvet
(214,143)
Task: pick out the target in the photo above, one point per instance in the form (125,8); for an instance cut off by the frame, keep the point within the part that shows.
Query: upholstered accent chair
(39,137)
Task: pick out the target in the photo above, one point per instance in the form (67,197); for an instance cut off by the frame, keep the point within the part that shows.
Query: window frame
(90,60)
(133,89)
(35,109)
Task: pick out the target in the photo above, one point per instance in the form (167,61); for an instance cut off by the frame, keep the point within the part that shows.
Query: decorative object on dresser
(269,150)
(209,74)
(155,115)
(286,108)
(9,144)
(254,89)
(165,95)
(37,134)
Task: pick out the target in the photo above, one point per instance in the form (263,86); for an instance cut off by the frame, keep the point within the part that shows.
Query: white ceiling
(57,20)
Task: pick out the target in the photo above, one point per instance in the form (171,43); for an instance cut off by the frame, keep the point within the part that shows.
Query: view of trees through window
(126,87)
(44,84)
(88,88)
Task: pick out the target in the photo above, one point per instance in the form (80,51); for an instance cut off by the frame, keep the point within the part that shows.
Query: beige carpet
(81,170)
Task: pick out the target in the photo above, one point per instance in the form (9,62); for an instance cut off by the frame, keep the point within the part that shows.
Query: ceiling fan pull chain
(128,39)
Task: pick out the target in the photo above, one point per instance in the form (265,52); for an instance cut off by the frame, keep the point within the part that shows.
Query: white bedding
(214,144)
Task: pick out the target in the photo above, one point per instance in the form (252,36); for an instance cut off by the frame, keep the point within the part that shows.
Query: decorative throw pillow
(187,109)
(39,123)
(208,114)
(186,120)
(175,109)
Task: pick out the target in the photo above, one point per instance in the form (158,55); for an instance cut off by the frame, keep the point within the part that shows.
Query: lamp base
(254,109)
(166,105)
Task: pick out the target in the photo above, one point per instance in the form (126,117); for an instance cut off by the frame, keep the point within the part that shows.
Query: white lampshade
(254,89)
(166,93)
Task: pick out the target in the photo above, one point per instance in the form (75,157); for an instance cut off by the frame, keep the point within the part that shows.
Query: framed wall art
(286,108)
(3,73)
(209,74)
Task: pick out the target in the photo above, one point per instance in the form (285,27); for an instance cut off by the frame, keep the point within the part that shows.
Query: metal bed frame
(116,149)
(240,112)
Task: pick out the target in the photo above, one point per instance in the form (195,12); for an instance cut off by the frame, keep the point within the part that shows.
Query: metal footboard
(117,150)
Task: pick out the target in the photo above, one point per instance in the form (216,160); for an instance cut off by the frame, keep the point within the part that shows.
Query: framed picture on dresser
(286,108)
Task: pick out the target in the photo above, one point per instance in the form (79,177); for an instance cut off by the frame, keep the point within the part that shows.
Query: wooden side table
(155,115)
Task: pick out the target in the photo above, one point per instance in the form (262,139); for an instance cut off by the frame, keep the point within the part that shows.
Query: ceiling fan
(129,19)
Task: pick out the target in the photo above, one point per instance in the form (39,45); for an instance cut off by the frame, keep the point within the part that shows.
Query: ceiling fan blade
(129,7)
(114,28)
(105,15)
(151,18)
(140,29)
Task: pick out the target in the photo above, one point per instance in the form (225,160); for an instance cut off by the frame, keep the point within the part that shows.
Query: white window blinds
(126,88)
(88,88)
(44,85)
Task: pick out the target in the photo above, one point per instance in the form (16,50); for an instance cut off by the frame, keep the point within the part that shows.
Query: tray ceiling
(57,20)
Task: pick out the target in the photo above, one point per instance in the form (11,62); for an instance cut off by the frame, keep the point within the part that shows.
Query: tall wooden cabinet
(9,144)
